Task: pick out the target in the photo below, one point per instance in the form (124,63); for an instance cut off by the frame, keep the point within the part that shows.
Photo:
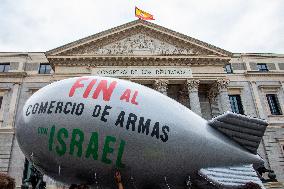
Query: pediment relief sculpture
(139,44)
(138,38)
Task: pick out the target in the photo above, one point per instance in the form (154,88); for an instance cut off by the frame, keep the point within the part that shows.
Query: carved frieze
(139,44)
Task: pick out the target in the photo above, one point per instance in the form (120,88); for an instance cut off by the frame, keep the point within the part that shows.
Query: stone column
(257,100)
(247,65)
(21,67)
(222,85)
(221,103)
(161,85)
(212,95)
(192,87)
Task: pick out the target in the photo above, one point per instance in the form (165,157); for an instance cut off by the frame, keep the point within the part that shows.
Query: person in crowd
(6,182)
(251,185)
(73,186)
(83,186)
(118,181)
(80,186)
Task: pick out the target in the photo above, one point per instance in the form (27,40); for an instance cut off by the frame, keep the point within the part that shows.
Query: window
(1,110)
(273,104)
(282,146)
(236,104)
(262,67)
(228,68)
(4,67)
(44,69)
(1,99)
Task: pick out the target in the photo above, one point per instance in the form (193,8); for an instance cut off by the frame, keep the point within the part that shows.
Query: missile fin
(244,130)
(231,177)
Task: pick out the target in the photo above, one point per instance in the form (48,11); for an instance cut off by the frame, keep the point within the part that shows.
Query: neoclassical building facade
(203,77)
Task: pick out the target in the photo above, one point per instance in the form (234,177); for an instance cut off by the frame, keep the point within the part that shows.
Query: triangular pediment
(138,38)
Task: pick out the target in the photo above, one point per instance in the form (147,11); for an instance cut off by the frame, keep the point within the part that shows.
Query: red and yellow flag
(143,15)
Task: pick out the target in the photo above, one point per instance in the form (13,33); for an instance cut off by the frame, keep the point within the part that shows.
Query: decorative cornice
(270,86)
(236,87)
(88,56)
(136,60)
(7,130)
(5,88)
(264,74)
(13,74)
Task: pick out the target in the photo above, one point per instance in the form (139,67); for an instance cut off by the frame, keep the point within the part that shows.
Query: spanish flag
(143,15)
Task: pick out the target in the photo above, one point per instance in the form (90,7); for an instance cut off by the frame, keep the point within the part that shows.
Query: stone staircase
(274,185)
(5,151)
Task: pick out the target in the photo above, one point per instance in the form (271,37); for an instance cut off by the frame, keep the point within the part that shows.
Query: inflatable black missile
(80,130)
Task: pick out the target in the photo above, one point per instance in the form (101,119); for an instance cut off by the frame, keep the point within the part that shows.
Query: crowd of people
(119,184)
(117,178)
(6,182)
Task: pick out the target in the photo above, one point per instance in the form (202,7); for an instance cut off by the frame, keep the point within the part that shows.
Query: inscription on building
(143,71)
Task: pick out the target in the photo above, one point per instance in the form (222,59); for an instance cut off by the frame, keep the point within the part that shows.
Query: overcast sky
(234,25)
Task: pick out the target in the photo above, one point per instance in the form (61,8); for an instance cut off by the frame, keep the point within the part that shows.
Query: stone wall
(17,162)
(272,146)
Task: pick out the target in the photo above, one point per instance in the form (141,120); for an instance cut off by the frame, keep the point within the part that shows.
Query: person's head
(83,186)
(73,186)
(152,186)
(6,182)
(251,185)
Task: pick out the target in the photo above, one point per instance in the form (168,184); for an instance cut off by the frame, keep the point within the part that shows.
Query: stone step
(5,151)
(274,185)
